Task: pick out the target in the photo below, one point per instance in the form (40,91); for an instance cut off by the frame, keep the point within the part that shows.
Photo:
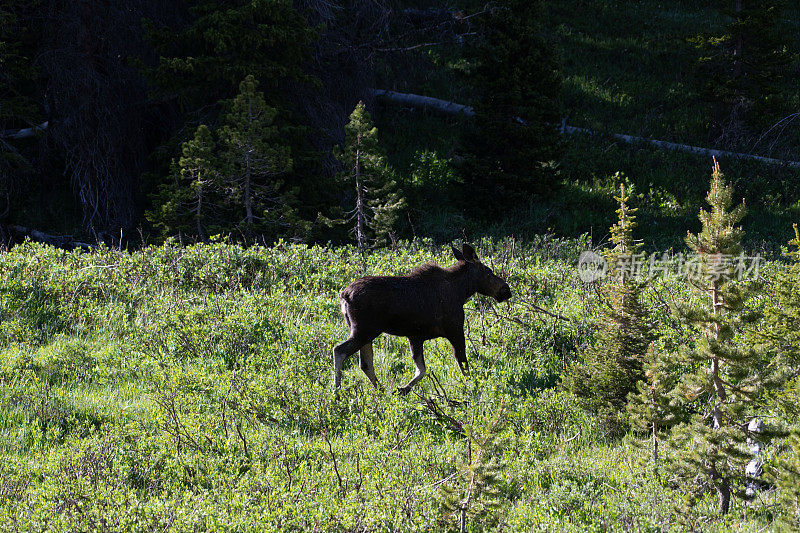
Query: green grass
(191,388)
(629,67)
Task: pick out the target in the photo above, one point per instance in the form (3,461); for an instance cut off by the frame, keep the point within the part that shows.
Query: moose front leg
(419,362)
(460,351)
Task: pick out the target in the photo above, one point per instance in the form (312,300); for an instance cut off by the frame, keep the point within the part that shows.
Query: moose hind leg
(365,361)
(342,352)
(419,363)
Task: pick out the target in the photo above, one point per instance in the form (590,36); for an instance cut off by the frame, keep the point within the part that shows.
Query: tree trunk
(655,450)
(737,46)
(724,489)
(198,214)
(248,173)
(248,200)
(361,208)
(724,493)
(19,233)
(425,102)
(719,388)
(24,133)
(452,108)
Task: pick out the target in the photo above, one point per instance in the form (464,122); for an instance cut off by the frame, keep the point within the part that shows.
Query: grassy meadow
(190,389)
(177,388)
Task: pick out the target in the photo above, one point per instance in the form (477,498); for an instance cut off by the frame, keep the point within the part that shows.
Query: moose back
(426,304)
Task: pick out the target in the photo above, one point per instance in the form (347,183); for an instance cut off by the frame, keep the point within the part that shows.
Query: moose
(426,304)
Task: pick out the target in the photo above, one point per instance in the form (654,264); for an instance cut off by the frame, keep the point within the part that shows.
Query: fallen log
(24,133)
(18,234)
(666,145)
(453,108)
(420,16)
(416,100)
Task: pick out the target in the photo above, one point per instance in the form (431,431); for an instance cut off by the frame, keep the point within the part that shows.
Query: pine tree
(788,483)
(256,160)
(781,333)
(17,87)
(613,365)
(746,68)
(203,61)
(473,492)
(653,408)
(516,77)
(377,202)
(726,378)
(782,313)
(185,204)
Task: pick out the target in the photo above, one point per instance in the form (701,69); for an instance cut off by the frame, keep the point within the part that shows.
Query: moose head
(486,282)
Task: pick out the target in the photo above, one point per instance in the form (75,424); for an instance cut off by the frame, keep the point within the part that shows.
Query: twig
(572,438)
(401,441)
(445,480)
(535,307)
(433,407)
(241,436)
(333,456)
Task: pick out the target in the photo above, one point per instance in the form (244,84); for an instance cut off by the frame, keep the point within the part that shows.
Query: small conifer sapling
(727,378)
(377,202)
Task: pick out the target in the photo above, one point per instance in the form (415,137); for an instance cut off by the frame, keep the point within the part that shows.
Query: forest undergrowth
(190,388)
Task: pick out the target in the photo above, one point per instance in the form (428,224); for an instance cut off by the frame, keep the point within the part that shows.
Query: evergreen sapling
(613,365)
(256,160)
(377,202)
(185,203)
(473,491)
(782,335)
(725,379)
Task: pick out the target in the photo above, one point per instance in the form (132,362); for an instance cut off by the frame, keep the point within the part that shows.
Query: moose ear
(469,253)
(458,255)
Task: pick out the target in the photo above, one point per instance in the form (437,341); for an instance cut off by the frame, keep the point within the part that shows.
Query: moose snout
(504,293)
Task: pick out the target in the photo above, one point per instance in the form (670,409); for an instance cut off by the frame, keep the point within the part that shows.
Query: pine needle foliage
(473,494)
(781,333)
(788,483)
(613,365)
(782,312)
(518,84)
(725,379)
(187,202)
(746,65)
(204,61)
(653,408)
(256,160)
(204,56)
(377,201)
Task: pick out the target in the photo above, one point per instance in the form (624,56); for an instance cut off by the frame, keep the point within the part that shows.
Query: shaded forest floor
(627,68)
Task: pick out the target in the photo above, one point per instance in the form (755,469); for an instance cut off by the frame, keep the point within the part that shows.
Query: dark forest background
(118,118)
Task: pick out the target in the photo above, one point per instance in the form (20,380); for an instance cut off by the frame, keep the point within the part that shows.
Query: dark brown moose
(426,304)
